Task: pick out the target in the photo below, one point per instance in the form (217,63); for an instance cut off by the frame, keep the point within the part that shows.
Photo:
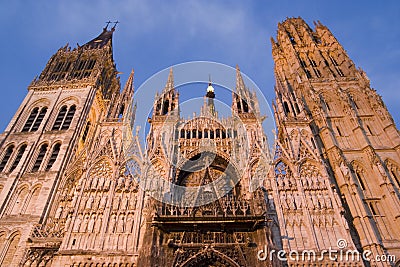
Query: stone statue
(91,223)
(381,169)
(77,224)
(344,169)
(111,226)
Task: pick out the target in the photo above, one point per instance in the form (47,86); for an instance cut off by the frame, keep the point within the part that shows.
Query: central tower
(212,218)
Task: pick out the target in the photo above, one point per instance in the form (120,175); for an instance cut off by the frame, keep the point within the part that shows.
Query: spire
(208,108)
(127,94)
(170,81)
(168,100)
(210,89)
(129,89)
(240,87)
(100,41)
(121,101)
(241,98)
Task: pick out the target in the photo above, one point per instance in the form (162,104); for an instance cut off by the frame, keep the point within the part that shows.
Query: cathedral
(79,188)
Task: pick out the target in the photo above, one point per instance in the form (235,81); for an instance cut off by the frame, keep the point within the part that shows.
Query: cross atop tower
(115,24)
(107,23)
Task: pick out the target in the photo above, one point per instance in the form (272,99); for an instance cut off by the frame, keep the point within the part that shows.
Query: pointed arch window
(83,68)
(2,238)
(205,133)
(217,133)
(317,72)
(40,157)
(313,62)
(360,179)
(282,174)
(34,119)
(308,73)
(19,201)
(17,159)
(294,112)
(158,108)
(303,63)
(121,111)
(296,106)
(10,249)
(68,118)
(39,119)
(223,134)
(211,134)
(60,118)
(53,157)
(291,38)
(182,133)
(165,107)
(245,106)
(239,107)
(314,66)
(372,208)
(31,119)
(280,169)
(6,157)
(313,143)
(86,131)
(64,118)
(59,71)
(341,74)
(333,60)
(32,200)
(286,108)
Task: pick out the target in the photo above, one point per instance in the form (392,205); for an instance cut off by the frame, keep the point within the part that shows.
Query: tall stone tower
(66,107)
(338,150)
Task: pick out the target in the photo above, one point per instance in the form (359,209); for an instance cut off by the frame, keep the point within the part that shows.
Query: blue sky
(153,35)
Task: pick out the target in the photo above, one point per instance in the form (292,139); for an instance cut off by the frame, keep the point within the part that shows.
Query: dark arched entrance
(210,258)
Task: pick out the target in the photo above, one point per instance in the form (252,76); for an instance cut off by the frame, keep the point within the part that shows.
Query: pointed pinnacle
(129,83)
(239,80)
(273,43)
(170,82)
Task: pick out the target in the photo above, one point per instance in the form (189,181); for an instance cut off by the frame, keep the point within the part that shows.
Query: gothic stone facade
(70,196)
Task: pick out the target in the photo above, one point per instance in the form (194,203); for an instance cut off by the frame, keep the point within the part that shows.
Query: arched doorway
(209,258)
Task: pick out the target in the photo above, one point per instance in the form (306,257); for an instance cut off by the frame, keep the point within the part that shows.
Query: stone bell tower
(56,121)
(336,172)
